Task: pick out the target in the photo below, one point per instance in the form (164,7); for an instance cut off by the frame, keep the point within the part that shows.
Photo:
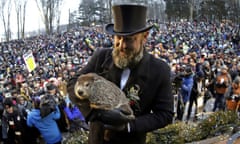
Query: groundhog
(102,93)
(92,91)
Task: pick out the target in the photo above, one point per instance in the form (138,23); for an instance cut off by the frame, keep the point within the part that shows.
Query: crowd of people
(204,58)
(57,60)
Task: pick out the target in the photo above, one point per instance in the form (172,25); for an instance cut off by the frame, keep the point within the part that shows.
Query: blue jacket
(186,88)
(47,126)
(73,113)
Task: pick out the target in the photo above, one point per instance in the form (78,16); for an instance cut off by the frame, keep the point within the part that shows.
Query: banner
(29,61)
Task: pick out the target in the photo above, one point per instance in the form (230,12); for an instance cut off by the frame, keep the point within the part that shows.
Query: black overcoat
(151,81)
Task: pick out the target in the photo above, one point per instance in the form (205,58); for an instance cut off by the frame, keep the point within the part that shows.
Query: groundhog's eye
(86,84)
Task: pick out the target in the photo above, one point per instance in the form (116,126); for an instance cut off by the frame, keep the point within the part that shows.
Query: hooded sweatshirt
(47,126)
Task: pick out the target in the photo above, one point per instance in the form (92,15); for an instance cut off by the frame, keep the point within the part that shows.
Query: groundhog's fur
(101,93)
(92,91)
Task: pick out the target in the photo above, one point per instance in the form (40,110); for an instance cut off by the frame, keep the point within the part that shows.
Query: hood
(35,113)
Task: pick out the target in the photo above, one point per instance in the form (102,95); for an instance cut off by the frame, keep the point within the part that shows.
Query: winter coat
(186,88)
(152,77)
(47,126)
(14,127)
(73,113)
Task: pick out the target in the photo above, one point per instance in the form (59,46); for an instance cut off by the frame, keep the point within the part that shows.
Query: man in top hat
(144,79)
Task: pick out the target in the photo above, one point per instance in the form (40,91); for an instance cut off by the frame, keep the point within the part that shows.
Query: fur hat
(129,19)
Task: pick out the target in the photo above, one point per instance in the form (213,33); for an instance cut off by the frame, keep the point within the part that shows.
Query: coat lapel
(139,73)
(136,83)
(110,71)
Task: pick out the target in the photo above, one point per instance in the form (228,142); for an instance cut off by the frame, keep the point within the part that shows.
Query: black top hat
(129,19)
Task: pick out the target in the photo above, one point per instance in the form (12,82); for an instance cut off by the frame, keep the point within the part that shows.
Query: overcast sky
(33,19)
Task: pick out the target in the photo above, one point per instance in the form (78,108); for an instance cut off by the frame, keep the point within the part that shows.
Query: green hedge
(218,123)
(78,137)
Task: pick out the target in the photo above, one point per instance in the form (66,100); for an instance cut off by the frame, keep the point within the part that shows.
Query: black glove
(4,141)
(121,127)
(109,117)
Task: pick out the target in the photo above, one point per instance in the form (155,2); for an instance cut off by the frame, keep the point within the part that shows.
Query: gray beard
(127,61)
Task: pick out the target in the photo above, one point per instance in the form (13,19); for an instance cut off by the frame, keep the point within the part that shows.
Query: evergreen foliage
(218,123)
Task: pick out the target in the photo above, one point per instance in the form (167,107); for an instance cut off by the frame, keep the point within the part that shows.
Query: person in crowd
(216,68)
(235,71)
(25,90)
(222,83)
(19,78)
(236,86)
(14,128)
(76,119)
(72,72)
(62,87)
(24,105)
(49,100)
(232,101)
(196,91)
(133,69)
(187,84)
(185,90)
(208,81)
(37,88)
(53,98)
(47,125)
(175,78)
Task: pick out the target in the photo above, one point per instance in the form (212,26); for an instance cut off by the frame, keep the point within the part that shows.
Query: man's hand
(109,117)
(121,127)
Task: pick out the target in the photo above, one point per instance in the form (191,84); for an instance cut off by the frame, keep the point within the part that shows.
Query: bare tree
(191,4)
(50,13)
(110,10)
(5,16)
(20,7)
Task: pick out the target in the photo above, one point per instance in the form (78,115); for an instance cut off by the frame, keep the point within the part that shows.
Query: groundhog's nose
(80,92)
